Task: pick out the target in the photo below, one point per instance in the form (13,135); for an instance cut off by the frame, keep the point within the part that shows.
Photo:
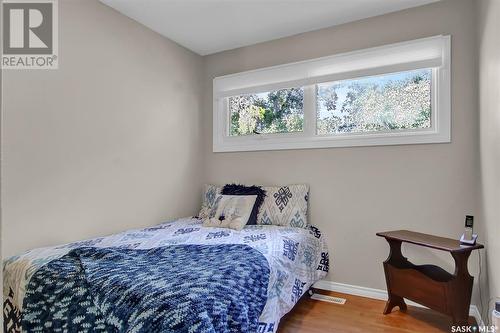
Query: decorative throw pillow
(235,189)
(233,211)
(285,206)
(209,204)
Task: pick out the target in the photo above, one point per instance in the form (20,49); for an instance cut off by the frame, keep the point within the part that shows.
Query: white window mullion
(310,110)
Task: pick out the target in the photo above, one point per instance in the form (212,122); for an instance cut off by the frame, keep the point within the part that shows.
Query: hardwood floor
(360,314)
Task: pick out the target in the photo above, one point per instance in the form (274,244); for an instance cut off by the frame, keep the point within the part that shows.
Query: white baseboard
(474,312)
(378,294)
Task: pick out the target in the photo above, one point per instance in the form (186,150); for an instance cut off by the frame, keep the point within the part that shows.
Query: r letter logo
(30,34)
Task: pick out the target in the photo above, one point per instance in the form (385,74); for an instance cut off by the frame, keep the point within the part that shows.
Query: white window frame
(433,52)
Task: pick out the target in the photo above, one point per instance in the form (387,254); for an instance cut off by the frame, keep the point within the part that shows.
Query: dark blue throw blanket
(179,288)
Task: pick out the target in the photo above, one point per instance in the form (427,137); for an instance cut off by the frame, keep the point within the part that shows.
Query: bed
(174,277)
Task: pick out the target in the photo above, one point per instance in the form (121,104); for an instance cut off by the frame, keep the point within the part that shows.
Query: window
(396,101)
(278,111)
(395,94)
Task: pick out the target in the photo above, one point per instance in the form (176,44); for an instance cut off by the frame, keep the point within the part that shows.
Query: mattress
(296,257)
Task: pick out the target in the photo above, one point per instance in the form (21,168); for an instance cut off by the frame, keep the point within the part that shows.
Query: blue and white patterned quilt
(144,280)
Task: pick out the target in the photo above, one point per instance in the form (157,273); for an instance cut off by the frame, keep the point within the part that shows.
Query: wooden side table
(429,285)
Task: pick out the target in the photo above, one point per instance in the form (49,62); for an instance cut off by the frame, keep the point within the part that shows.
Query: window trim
(439,132)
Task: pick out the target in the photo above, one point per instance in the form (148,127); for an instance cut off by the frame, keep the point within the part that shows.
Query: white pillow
(233,211)
(285,206)
(208,203)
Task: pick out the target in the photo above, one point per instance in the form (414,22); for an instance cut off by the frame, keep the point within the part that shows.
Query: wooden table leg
(394,301)
(462,285)
(397,259)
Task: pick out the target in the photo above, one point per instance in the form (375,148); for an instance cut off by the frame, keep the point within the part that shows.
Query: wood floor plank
(358,315)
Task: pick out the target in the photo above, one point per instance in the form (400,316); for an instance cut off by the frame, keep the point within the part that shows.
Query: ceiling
(210,26)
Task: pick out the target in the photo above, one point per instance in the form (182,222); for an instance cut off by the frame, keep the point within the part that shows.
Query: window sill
(299,141)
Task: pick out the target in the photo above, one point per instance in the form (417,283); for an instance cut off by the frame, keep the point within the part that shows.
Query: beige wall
(489,107)
(356,192)
(109,141)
